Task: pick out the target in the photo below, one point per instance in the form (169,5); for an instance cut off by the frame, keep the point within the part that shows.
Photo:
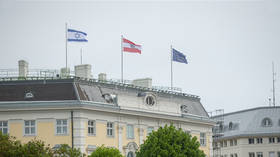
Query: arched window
(230,125)
(266,122)
(130,154)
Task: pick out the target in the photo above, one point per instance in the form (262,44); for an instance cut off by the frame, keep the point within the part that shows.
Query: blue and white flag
(77,36)
(178,56)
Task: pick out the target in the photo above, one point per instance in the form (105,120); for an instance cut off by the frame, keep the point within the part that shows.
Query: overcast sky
(230,44)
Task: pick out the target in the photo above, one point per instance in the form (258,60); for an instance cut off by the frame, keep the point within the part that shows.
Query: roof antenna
(273,87)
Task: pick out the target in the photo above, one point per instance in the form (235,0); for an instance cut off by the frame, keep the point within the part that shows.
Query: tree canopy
(106,152)
(168,141)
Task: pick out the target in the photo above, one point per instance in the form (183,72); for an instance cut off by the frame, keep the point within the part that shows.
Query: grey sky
(229,44)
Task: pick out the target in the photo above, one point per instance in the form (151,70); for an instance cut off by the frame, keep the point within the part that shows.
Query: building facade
(86,113)
(248,133)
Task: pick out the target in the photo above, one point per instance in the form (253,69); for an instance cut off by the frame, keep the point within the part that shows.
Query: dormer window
(266,122)
(150,99)
(230,126)
(184,108)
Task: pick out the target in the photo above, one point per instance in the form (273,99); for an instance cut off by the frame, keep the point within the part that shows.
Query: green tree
(170,142)
(106,152)
(66,151)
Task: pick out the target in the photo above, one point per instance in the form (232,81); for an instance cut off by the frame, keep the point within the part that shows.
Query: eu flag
(178,56)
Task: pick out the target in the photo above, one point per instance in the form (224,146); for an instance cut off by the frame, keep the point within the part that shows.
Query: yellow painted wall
(206,148)
(45,132)
(101,136)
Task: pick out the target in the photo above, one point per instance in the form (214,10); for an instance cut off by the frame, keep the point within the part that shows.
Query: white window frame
(150,129)
(271,140)
(203,139)
(129,131)
(259,154)
(29,126)
(91,128)
(61,125)
(110,128)
(2,127)
(251,154)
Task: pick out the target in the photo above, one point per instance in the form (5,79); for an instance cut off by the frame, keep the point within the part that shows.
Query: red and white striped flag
(129,46)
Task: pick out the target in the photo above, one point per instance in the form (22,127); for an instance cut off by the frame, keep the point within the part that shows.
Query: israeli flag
(78,36)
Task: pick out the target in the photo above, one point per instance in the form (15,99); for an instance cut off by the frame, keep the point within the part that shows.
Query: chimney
(102,77)
(83,70)
(144,82)
(64,72)
(22,68)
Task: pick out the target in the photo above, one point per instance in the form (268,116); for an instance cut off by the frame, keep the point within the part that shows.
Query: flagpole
(81,56)
(171,56)
(66,31)
(121,59)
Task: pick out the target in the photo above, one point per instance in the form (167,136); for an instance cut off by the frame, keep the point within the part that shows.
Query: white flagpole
(66,41)
(121,59)
(81,56)
(171,57)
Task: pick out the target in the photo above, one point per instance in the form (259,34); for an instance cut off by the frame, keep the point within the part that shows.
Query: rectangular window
(91,127)
(259,140)
(222,144)
(4,127)
(61,126)
(231,142)
(150,130)
(259,154)
(231,155)
(202,139)
(110,129)
(251,140)
(29,127)
(278,154)
(235,155)
(130,131)
(271,140)
(251,154)
(271,154)
(235,142)
(278,139)
(225,143)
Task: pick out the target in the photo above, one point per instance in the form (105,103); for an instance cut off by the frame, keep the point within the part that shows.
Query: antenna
(273,85)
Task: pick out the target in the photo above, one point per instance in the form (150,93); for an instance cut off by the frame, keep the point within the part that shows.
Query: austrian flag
(129,46)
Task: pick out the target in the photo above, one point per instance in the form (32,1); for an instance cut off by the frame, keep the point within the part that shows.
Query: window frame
(130,131)
(271,140)
(203,138)
(30,126)
(111,128)
(251,141)
(259,140)
(251,154)
(150,129)
(267,122)
(62,126)
(93,127)
(2,127)
(259,153)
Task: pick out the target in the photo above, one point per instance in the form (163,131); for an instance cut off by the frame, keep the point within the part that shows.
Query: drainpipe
(72,130)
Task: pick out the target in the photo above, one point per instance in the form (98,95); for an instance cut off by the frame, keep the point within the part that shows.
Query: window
(278,139)
(278,154)
(202,139)
(29,127)
(150,100)
(4,127)
(251,154)
(235,142)
(271,154)
(110,129)
(150,130)
(251,141)
(230,126)
(271,140)
(225,143)
(184,108)
(231,142)
(235,155)
(130,154)
(61,126)
(259,154)
(91,127)
(259,140)
(231,155)
(222,144)
(130,131)
(266,122)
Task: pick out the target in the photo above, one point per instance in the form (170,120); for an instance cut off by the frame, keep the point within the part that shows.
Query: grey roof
(249,122)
